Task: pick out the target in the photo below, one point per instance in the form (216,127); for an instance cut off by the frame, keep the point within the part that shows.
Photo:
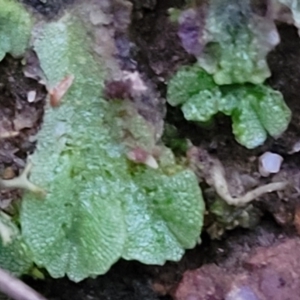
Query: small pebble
(31,95)
(269,163)
(241,293)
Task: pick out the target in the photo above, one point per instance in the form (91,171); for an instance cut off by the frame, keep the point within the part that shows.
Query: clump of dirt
(21,111)
(284,62)
(158,47)
(48,9)
(264,273)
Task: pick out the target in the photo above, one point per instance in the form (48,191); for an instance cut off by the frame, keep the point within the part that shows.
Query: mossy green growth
(15,28)
(99,206)
(237,42)
(15,255)
(256,110)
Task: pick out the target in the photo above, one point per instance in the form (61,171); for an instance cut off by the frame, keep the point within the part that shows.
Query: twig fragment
(8,134)
(17,289)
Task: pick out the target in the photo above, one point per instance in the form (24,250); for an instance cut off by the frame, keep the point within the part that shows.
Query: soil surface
(260,261)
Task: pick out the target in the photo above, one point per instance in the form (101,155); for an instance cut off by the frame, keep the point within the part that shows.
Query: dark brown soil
(17,117)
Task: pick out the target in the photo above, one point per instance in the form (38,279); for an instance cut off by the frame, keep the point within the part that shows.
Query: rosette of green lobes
(256,110)
(98,206)
(187,82)
(202,106)
(229,39)
(244,39)
(164,215)
(260,111)
(78,229)
(15,28)
(269,104)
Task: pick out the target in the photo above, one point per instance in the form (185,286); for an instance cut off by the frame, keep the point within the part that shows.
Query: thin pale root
(220,184)
(22,182)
